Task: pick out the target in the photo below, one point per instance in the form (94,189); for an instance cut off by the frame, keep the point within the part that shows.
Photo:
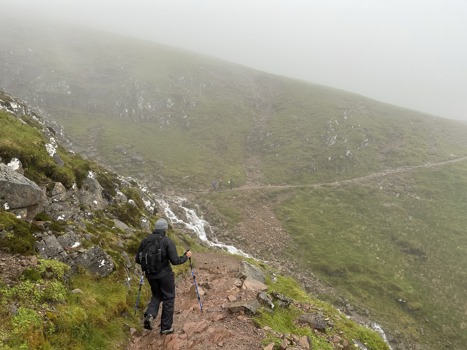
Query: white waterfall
(195,224)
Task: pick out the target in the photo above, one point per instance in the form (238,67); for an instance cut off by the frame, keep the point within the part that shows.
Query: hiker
(161,279)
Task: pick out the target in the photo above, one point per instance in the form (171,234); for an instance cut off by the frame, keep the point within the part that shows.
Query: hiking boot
(148,321)
(167,331)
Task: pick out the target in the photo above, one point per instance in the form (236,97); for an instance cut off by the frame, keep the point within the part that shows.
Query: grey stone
(315,321)
(248,306)
(59,192)
(121,225)
(18,192)
(264,299)
(90,194)
(248,270)
(49,247)
(283,300)
(96,260)
(69,240)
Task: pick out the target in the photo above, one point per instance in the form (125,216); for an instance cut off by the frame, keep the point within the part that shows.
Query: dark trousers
(163,290)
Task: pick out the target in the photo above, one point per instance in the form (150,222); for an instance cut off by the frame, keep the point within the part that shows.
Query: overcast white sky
(412,53)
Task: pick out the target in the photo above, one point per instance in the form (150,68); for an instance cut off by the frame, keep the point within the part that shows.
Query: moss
(16,235)
(64,175)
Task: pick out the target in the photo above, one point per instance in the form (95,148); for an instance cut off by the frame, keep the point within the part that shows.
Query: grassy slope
(396,245)
(50,316)
(212,118)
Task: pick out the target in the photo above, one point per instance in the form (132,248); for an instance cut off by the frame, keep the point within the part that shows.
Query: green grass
(395,246)
(284,320)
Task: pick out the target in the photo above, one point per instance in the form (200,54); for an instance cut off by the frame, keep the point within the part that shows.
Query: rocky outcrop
(90,195)
(62,204)
(18,193)
(96,260)
(67,249)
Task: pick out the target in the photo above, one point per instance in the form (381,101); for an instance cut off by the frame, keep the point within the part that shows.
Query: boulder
(69,240)
(18,192)
(121,225)
(50,248)
(248,306)
(254,285)
(59,193)
(61,211)
(97,261)
(247,270)
(90,194)
(314,320)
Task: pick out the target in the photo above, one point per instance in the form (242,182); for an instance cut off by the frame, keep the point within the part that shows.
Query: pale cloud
(409,53)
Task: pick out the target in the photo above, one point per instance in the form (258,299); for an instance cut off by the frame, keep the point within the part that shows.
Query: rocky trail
(216,327)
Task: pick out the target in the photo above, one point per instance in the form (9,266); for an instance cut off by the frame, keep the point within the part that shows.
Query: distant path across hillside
(356,180)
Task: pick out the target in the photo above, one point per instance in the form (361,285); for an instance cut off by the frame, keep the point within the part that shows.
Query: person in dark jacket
(162,282)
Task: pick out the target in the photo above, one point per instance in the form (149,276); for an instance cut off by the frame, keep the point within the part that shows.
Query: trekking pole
(139,291)
(196,286)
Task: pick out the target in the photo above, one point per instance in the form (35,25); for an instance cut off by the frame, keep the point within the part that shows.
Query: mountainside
(68,230)
(367,197)
(192,117)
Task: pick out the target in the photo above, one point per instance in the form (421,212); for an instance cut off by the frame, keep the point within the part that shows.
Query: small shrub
(107,181)
(42,216)
(52,269)
(127,213)
(64,175)
(25,322)
(134,194)
(54,291)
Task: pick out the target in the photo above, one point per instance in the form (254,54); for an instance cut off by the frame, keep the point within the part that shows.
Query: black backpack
(151,256)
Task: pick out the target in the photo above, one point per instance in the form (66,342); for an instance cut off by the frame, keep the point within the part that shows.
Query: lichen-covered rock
(97,261)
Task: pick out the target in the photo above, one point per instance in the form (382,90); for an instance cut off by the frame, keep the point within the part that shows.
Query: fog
(412,53)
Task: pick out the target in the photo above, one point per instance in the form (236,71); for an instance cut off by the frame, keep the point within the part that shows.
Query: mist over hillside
(229,116)
(366,195)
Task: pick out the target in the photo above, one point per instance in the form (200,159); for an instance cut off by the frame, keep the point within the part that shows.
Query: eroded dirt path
(360,179)
(215,327)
